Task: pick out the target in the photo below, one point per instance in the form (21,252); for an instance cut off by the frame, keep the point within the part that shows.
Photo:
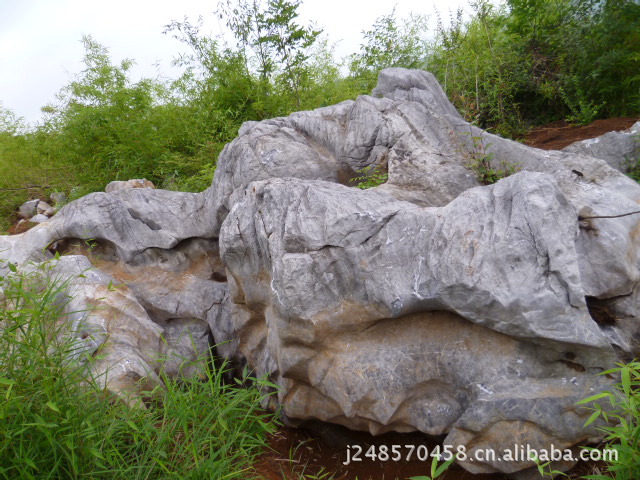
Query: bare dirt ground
(557,135)
(298,454)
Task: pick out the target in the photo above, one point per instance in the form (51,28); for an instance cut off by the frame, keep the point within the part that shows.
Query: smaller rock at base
(50,212)
(29,209)
(42,207)
(39,218)
(123,185)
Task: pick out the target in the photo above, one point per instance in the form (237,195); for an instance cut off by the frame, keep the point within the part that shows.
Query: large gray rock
(621,150)
(380,315)
(140,279)
(430,303)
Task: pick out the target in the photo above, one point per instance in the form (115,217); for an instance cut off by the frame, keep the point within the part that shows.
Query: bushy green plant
(481,161)
(110,128)
(480,66)
(391,42)
(535,61)
(25,172)
(622,408)
(58,424)
(370,177)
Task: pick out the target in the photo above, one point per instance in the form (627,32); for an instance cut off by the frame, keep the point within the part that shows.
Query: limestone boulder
(415,318)
(42,207)
(430,303)
(621,150)
(39,218)
(140,279)
(323,278)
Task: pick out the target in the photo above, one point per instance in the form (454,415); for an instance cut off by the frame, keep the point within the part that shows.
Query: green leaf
(12,267)
(440,470)
(53,407)
(594,397)
(594,416)
(96,453)
(29,462)
(626,382)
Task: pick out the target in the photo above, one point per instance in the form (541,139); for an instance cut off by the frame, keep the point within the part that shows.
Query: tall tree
(269,35)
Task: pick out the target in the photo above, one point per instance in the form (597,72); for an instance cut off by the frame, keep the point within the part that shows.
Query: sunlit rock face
(430,303)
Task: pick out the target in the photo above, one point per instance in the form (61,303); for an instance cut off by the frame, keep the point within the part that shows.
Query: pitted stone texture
(156,271)
(129,221)
(341,293)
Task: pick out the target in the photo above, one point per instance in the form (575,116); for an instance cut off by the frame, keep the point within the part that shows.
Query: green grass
(56,423)
(622,409)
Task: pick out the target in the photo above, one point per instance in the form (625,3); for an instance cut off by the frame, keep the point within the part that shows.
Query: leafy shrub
(389,43)
(535,61)
(25,173)
(480,66)
(481,161)
(623,409)
(371,177)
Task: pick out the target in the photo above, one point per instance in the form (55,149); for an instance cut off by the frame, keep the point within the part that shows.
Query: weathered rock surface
(28,209)
(42,207)
(621,150)
(430,303)
(39,218)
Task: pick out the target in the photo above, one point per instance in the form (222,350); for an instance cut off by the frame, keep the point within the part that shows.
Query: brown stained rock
(117,185)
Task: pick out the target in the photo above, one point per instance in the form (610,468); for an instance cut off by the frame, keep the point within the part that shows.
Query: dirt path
(558,135)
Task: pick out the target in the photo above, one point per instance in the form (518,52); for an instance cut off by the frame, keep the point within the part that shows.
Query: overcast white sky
(40,48)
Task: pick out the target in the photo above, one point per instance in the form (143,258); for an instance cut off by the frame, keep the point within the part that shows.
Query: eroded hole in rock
(340,437)
(197,254)
(600,312)
(218,277)
(573,365)
(93,249)
(346,176)
(570,361)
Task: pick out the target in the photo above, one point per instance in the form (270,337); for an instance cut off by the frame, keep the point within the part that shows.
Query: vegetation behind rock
(507,67)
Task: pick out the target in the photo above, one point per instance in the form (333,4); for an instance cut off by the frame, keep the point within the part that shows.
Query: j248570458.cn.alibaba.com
(519,453)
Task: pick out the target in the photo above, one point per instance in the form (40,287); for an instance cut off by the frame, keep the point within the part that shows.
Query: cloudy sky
(40,46)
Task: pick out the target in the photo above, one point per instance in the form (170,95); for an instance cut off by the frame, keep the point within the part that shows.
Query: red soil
(558,135)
